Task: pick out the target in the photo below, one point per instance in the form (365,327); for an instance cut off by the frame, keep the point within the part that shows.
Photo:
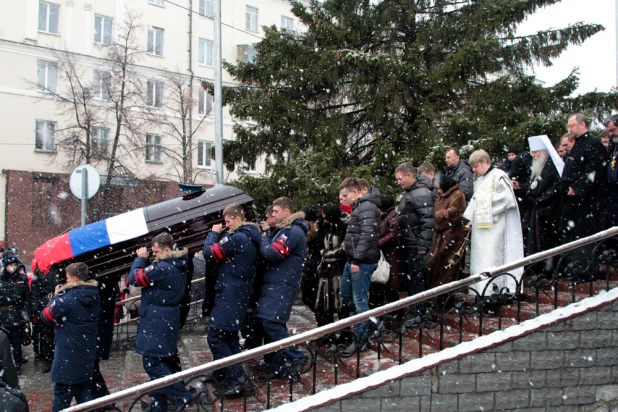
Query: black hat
(512,149)
(9,259)
(332,213)
(446,182)
(311,213)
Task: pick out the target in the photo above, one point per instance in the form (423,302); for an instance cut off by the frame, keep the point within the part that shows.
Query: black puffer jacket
(415,223)
(462,173)
(363,234)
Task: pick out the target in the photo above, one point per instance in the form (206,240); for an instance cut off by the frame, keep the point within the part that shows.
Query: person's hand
(422,252)
(354,268)
(217,228)
(469,225)
(515,184)
(571,192)
(57,289)
(142,252)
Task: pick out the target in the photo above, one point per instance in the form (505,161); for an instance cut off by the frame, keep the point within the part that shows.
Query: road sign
(75,181)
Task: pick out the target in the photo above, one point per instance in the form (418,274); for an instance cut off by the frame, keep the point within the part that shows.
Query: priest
(496,236)
(543,196)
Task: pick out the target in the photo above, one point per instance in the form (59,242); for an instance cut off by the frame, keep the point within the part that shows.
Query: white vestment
(496,229)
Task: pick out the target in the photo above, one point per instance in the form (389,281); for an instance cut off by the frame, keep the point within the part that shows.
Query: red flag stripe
(217,251)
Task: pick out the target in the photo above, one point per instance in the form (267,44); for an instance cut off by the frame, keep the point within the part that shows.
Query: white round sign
(75,181)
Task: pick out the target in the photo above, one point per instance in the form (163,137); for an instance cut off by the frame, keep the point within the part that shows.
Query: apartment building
(57,55)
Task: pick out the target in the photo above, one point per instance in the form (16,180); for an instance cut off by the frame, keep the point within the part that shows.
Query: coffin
(108,246)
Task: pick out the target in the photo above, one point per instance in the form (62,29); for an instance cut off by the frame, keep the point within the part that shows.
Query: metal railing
(456,305)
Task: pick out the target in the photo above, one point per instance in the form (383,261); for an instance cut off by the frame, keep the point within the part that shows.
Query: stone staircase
(125,369)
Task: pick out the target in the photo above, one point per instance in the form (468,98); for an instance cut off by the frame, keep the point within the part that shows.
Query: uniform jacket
(363,233)
(14,299)
(235,253)
(75,313)
(43,286)
(9,371)
(163,288)
(284,255)
(415,222)
(462,173)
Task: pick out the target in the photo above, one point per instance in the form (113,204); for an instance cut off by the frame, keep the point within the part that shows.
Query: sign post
(84,183)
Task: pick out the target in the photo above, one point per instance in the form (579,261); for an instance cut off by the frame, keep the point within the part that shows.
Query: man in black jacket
(415,225)
(583,187)
(362,251)
(461,171)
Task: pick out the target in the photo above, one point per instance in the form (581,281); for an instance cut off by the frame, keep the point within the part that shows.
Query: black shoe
(37,357)
(237,390)
(18,369)
(47,367)
(23,360)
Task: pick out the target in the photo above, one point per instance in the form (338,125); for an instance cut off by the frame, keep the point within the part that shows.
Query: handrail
(138,297)
(313,334)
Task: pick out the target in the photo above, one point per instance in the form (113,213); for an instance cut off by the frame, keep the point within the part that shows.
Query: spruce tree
(369,84)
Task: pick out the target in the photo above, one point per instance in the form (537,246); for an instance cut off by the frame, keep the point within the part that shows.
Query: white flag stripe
(126,226)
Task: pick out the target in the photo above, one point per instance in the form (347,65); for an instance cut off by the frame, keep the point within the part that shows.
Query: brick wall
(568,366)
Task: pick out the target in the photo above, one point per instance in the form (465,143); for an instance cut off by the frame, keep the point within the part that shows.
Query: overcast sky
(596,57)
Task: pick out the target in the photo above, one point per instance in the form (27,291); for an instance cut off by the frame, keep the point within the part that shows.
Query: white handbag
(382,272)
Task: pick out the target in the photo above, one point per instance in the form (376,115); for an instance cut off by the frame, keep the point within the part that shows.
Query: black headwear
(311,213)
(512,149)
(446,182)
(332,213)
(9,259)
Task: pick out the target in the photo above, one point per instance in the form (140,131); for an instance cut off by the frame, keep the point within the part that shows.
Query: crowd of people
(536,199)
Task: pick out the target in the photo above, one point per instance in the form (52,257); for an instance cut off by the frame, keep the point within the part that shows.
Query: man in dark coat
(461,171)
(583,187)
(235,254)
(43,286)
(74,312)
(14,304)
(11,398)
(163,285)
(542,199)
(611,216)
(415,227)
(284,254)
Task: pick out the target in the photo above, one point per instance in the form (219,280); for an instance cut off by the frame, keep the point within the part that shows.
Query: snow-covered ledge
(479,344)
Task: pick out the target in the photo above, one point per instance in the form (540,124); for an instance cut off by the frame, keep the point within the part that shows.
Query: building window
(155,41)
(205,102)
(252,18)
(44,191)
(206,8)
(102,30)
(287,23)
(154,95)
(249,166)
(49,17)
(205,52)
(47,73)
(204,149)
(102,85)
(153,148)
(45,136)
(156,2)
(246,53)
(99,140)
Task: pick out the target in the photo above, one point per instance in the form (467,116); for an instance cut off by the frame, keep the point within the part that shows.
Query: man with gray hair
(459,170)
(583,187)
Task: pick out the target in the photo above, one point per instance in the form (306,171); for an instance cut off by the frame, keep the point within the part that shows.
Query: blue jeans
(355,290)
(274,331)
(223,344)
(158,368)
(63,394)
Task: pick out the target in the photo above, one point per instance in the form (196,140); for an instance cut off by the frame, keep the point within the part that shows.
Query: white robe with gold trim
(496,229)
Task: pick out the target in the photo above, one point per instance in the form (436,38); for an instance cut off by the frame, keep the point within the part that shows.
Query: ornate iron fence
(451,314)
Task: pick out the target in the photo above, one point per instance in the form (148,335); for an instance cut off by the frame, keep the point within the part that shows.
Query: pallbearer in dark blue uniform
(163,287)
(235,253)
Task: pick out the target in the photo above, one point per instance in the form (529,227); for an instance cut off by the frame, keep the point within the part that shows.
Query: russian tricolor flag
(91,237)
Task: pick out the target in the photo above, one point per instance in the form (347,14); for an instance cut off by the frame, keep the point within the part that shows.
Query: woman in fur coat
(449,233)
